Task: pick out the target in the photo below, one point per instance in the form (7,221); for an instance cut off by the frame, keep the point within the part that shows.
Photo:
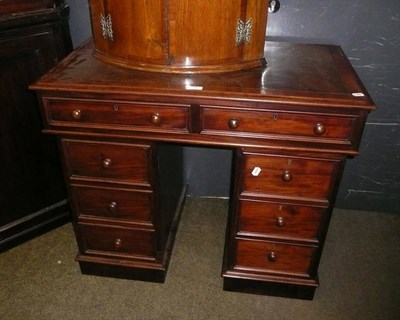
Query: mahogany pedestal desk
(291,126)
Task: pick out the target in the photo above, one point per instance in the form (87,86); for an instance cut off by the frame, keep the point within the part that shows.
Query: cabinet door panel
(29,163)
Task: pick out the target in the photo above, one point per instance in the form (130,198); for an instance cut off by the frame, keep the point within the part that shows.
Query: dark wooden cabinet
(291,126)
(8,7)
(34,37)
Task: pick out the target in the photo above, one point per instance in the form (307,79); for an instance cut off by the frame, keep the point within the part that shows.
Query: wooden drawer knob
(106,163)
(156,119)
(112,205)
(117,243)
(233,123)
(319,129)
(280,222)
(287,176)
(272,257)
(76,114)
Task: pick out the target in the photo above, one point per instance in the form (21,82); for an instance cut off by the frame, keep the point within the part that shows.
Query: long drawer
(274,219)
(293,125)
(113,203)
(264,256)
(289,176)
(107,162)
(131,116)
(117,241)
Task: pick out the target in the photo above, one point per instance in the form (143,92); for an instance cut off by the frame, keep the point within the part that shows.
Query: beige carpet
(359,275)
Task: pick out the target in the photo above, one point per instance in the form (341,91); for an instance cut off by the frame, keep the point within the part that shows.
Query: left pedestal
(126,207)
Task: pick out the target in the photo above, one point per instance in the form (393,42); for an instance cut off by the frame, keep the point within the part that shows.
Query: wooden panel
(109,162)
(30,171)
(118,204)
(115,241)
(289,176)
(266,256)
(257,11)
(100,113)
(207,24)
(139,30)
(279,219)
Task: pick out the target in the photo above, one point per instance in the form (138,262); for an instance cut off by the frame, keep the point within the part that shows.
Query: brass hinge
(106,27)
(243,31)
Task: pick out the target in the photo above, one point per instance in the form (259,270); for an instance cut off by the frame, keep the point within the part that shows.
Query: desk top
(295,73)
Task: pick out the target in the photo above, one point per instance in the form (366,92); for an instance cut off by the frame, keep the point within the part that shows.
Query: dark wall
(369,33)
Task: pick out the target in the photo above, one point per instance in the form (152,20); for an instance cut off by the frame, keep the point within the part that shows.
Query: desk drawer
(108,162)
(274,257)
(289,176)
(138,115)
(107,240)
(267,123)
(118,204)
(277,219)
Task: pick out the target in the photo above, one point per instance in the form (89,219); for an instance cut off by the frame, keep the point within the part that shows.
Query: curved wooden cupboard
(180,36)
